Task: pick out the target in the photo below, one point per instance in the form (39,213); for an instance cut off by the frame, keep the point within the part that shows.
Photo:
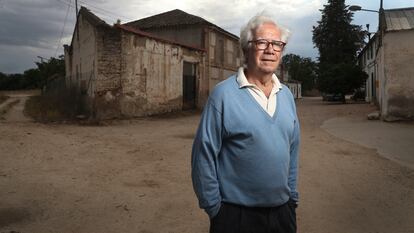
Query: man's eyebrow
(260,38)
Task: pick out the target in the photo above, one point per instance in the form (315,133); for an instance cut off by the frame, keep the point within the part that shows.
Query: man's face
(264,61)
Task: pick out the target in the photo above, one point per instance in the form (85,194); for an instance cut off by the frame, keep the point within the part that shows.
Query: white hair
(247,31)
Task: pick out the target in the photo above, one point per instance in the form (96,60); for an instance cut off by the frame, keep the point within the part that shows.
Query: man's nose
(269,49)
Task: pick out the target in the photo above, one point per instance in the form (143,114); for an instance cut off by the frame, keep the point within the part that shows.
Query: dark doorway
(189,85)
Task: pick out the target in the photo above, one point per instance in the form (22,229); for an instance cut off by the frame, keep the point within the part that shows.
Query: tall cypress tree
(338,42)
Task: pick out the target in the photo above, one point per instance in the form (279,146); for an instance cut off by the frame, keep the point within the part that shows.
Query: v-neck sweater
(241,154)
(267,103)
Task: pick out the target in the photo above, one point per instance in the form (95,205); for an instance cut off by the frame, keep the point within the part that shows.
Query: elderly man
(245,153)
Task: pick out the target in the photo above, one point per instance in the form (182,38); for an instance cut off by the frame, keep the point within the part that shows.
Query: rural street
(134,175)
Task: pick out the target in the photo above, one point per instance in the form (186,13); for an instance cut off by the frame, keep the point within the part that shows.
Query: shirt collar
(242,80)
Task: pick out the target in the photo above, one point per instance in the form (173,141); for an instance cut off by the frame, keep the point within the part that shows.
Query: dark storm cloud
(32,23)
(29,29)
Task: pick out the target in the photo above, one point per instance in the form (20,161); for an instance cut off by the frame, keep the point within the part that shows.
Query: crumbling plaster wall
(108,79)
(398,83)
(80,65)
(193,35)
(188,35)
(152,74)
(222,53)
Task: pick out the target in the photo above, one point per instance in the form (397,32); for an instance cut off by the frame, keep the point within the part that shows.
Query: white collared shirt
(268,104)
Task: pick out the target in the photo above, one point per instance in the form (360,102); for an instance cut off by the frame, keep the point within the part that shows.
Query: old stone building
(159,64)
(387,59)
(124,72)
(222,47)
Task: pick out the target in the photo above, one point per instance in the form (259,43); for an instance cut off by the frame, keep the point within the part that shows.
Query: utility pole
(76,25)
(381,23)
(76,8)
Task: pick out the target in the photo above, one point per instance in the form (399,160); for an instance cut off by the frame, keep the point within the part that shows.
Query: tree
(338,42)
(300,69)
(54,66)
(4,79)
(341,78)
(34,78)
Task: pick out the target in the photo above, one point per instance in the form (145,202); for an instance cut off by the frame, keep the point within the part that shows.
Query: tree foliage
(336,38)
(341,78)
(338,42)
(54,66)
(33,78)
(301,69)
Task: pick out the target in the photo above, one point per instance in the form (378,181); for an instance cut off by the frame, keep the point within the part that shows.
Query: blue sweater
(241,154)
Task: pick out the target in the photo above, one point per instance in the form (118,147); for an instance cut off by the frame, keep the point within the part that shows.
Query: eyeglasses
(263,44)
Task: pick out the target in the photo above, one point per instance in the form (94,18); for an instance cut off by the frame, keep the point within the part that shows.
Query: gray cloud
(31,28)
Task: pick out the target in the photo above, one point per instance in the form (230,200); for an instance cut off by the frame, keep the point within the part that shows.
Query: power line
(102,11)
(109,12)
(63,29)
(70,5)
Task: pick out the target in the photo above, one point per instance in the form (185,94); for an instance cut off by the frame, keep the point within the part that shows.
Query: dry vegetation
(3,98)
(60,105)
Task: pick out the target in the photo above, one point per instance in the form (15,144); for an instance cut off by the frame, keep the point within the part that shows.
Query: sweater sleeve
(206,148)
(293,164)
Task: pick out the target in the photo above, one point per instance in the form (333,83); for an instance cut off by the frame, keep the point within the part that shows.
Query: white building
(388,61)
(294,86)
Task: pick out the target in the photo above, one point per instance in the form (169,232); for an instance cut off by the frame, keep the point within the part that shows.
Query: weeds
(59,105)
(3,98)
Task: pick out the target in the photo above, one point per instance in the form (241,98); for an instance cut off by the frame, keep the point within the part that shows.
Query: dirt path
(12,109)
(134,176)
(347,187)
(14,112)
(394,140)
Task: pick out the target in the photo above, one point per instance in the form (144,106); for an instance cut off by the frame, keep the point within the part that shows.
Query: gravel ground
(134,176)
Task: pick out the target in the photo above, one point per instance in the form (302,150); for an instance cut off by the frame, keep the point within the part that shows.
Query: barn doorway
(189,85)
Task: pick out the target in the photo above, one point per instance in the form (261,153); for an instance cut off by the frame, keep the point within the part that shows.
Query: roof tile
(399,19)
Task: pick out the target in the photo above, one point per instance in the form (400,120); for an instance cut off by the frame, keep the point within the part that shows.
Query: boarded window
(219,58)
(212,45)
(211,52)
(229,52)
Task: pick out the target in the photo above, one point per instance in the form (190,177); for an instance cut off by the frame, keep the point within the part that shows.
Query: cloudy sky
(33,28)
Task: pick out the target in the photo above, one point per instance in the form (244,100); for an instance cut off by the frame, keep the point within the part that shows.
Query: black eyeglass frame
(275,44)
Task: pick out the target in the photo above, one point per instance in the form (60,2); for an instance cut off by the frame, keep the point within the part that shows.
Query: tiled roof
(149,35)
(173,18)
(399,19)
(170,18)
(96,21)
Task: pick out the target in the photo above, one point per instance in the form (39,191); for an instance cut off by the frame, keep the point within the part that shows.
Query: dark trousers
(241,219)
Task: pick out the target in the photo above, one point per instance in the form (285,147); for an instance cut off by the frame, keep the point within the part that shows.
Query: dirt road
(134,176)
